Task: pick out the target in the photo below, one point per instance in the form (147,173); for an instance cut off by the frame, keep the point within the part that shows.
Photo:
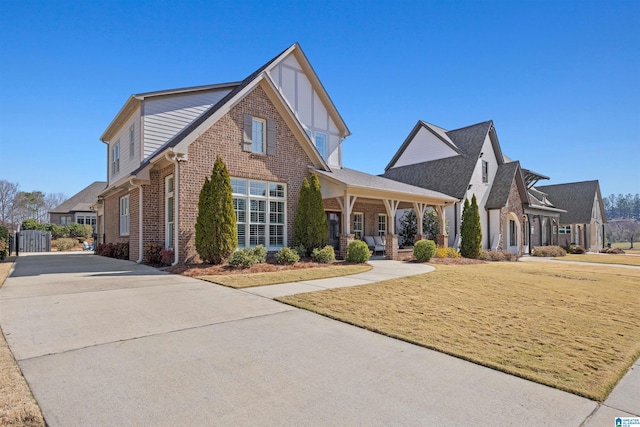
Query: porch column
(392,208)
(419,208)
(346,207)
(442,239)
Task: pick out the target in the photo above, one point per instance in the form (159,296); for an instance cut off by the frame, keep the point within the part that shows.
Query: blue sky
(560,79)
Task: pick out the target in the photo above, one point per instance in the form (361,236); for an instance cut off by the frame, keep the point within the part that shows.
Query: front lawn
(285,276)
(603,259)
(573,327)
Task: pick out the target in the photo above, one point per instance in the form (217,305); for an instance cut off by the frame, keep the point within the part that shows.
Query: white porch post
(442,219)
(420,208)
(392,208)
(346,207)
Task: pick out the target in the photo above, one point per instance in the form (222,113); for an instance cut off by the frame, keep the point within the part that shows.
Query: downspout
(489,227)
(173,158)
(140,228)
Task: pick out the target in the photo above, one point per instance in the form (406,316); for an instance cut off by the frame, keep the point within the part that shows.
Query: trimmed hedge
(358,251)
(113,250)
(548,251)
(325,255)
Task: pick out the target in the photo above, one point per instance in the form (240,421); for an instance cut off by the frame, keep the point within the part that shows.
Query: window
(115,159)
(169,227)
(124,215)
(65,220)
(382,224)
(513,235)
(564,229)
(132,135)
(358,225)
(258,130)
(260,213)
(321,144)
(485,171)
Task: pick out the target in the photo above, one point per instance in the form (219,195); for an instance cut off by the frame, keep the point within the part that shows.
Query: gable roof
(450,175)
(576,198)
(437,131)
(238,92)
(81,201)
(501,187)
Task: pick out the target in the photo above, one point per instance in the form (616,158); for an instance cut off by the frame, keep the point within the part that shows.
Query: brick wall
(112,218)
(134,226)
(224,138)
(514,205)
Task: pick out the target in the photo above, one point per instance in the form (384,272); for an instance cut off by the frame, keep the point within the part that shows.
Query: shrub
(259,253)
(300,250)
(153,253)
(32,224)
(216,234)
(324,255)
(548,251)
(611,251)
(577,250)
(113,250)
(424,250)
(287,256)
(357,251)
(446,253)
(79,231)
(242,258)
(486,255)
(310,225)
(470,230)
(66,243)
(4,242)
(408,228)
(167,256)
(58,231)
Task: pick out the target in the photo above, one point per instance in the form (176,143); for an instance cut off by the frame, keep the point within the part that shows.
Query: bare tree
(51,201)
(624,230)
(8,191)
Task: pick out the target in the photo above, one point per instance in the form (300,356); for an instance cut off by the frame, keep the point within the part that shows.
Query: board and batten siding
(128,163)
(297,90)
(424,147)
(163,117)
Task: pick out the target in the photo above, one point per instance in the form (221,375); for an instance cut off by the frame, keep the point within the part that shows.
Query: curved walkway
(382,270)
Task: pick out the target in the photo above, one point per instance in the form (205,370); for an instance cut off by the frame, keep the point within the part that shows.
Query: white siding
(165,116)
(127,163)
(306,104)
(424,147)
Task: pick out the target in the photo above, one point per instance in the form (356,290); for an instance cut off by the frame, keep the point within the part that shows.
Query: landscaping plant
(4,242)
(357,251)
(470,230)
(325,255)
(311,229)
(424,250)
(216,234)
(287,256)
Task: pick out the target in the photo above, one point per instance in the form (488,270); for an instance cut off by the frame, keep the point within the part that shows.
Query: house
(469,161)
(78,207)
(272,129)
(583,222)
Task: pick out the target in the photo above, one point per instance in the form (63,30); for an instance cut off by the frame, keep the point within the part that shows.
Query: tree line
(622,206)
(17,206)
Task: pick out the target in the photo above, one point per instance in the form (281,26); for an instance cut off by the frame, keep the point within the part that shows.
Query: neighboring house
(272,129)
(78,207)
(583,222)
(466,162)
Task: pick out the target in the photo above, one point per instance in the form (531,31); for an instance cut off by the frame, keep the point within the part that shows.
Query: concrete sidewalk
(107,342)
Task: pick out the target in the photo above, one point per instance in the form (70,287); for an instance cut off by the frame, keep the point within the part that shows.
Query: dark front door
(333,218)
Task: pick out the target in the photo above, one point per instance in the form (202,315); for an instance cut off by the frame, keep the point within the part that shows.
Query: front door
(333,218)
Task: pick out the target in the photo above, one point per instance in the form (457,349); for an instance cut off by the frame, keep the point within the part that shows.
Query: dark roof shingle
(501,186)
(574,197)
(80,201)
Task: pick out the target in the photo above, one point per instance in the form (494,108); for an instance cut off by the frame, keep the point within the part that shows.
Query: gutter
(175,158)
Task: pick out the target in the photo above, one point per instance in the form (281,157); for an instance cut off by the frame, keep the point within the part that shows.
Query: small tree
(310,228)
(216,234)
(431,224)
(408,227)
(470,231)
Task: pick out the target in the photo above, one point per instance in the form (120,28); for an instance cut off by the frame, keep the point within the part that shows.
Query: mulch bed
(195,270)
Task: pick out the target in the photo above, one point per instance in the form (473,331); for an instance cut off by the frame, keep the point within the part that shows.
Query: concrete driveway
(107,342)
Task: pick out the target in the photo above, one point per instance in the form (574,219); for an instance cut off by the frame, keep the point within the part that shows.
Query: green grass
(573,327)
(276,277)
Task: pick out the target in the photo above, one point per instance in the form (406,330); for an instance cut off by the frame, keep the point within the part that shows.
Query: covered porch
(359,205)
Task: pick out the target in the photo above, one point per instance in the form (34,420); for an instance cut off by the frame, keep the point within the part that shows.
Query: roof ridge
(470,126)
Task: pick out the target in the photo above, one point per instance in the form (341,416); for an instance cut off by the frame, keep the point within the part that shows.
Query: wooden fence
(34,241)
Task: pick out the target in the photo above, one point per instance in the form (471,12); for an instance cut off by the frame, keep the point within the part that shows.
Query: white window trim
(267,198)
(386,223)
(361,229)
(132,137)
(169,232)
(115,158)
(323,150)
(124,216)
(264,135)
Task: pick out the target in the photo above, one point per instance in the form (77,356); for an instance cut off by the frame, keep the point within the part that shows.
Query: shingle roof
(501,186)
(208,113)
(356,178)
(576,198)
(450,175)
(81,201)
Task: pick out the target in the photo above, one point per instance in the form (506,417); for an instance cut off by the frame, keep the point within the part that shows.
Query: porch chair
(373,244)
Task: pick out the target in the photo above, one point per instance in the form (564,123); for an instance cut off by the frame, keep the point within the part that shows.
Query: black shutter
(271,137)
(246,134)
